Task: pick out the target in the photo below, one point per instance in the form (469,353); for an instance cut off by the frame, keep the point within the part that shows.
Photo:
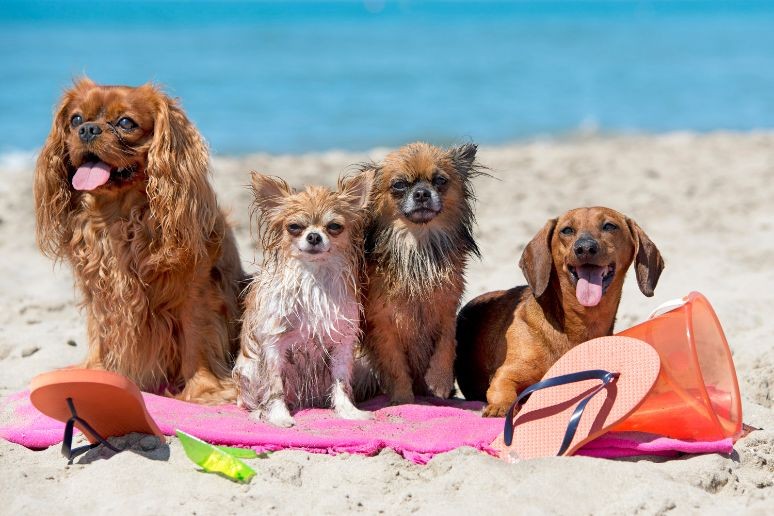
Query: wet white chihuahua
(302,315)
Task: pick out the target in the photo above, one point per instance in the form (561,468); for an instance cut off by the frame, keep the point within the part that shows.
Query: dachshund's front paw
(492,410)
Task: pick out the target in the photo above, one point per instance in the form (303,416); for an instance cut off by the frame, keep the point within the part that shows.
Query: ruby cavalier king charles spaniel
(122,194)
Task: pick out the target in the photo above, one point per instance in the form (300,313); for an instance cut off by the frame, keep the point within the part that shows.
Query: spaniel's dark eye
(399,186)
(295,229)
(439,181)
(334,228)
(567,231)
(126,123)
(76,120)
(609,226)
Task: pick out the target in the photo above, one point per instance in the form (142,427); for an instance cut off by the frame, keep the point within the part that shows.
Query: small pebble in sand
(26,352)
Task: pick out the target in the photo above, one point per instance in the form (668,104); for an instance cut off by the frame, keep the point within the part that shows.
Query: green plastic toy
(218,459)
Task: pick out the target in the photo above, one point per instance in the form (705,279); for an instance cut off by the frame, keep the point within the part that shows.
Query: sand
(707,201)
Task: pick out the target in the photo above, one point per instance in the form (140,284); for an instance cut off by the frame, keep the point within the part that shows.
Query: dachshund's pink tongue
(91,175)
(589,288)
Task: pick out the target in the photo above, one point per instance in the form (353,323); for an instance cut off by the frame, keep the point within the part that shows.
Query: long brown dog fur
(508,339)
(150,250)
(415,269)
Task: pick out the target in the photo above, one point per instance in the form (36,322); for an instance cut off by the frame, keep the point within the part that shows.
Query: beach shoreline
(705,201)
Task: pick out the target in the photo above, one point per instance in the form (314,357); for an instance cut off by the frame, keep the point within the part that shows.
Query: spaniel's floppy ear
(180,197)
(648,262)
(51,188)
(269,191)
(536,262)
(357,188)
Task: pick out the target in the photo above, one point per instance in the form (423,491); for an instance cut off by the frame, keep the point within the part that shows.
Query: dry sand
(708,203)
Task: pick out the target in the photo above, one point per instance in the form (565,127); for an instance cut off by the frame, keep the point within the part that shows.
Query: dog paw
(354,413)
(279,415)
(439,383)
(284,421)
(402,398)
(494,410)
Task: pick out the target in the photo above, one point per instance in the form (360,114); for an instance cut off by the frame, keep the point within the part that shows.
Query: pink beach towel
(418,432)
(614,445)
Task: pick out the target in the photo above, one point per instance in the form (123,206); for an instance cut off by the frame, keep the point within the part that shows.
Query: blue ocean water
(298,76)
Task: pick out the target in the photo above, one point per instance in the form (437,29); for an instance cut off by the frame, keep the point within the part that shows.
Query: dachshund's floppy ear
(357,189)
(269,191)
(180,197)
(648,262)
(51,188)
(536,262)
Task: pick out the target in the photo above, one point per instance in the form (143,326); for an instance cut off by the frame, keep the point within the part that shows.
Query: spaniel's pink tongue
(91,175)
(589,287)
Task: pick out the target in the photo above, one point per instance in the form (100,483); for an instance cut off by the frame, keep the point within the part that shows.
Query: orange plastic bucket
(696,395)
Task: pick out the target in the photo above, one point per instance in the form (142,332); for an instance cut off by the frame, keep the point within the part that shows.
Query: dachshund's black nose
(586,247)
(421,195)
(314,238)
(88,132)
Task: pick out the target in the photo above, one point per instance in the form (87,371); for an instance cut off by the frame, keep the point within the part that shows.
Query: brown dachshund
(575,267)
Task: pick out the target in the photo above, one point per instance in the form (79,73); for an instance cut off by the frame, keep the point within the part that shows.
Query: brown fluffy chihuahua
(417,245)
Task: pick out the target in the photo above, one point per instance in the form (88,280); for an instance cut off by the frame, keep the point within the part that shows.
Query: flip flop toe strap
(606,377)
(67,450)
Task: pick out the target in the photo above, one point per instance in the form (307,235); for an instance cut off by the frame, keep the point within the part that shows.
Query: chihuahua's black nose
(586,247)
(88,132)
(314,238)
(421,195)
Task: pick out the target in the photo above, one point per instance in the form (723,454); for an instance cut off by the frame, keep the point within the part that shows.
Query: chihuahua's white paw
(352,412)
(279,415)
(259,416)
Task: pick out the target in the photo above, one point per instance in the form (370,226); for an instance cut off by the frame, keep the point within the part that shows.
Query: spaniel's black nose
(87,132)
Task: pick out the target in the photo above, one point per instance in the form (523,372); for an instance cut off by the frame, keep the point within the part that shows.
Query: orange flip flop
(591,388)
(100,404)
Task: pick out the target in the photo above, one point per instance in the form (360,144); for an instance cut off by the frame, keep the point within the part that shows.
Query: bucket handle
(667,306)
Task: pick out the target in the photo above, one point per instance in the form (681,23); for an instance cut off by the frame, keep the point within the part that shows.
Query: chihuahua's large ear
(536,262)
(268,190)
(648,262)
(357,188)
(180,197)
(464,156)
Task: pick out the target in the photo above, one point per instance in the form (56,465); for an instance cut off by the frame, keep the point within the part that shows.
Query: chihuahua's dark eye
(76,120)
(439,181)
(334,228)
(126,123)
(609,226)
(567,231)
(399,185)
(295,229)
